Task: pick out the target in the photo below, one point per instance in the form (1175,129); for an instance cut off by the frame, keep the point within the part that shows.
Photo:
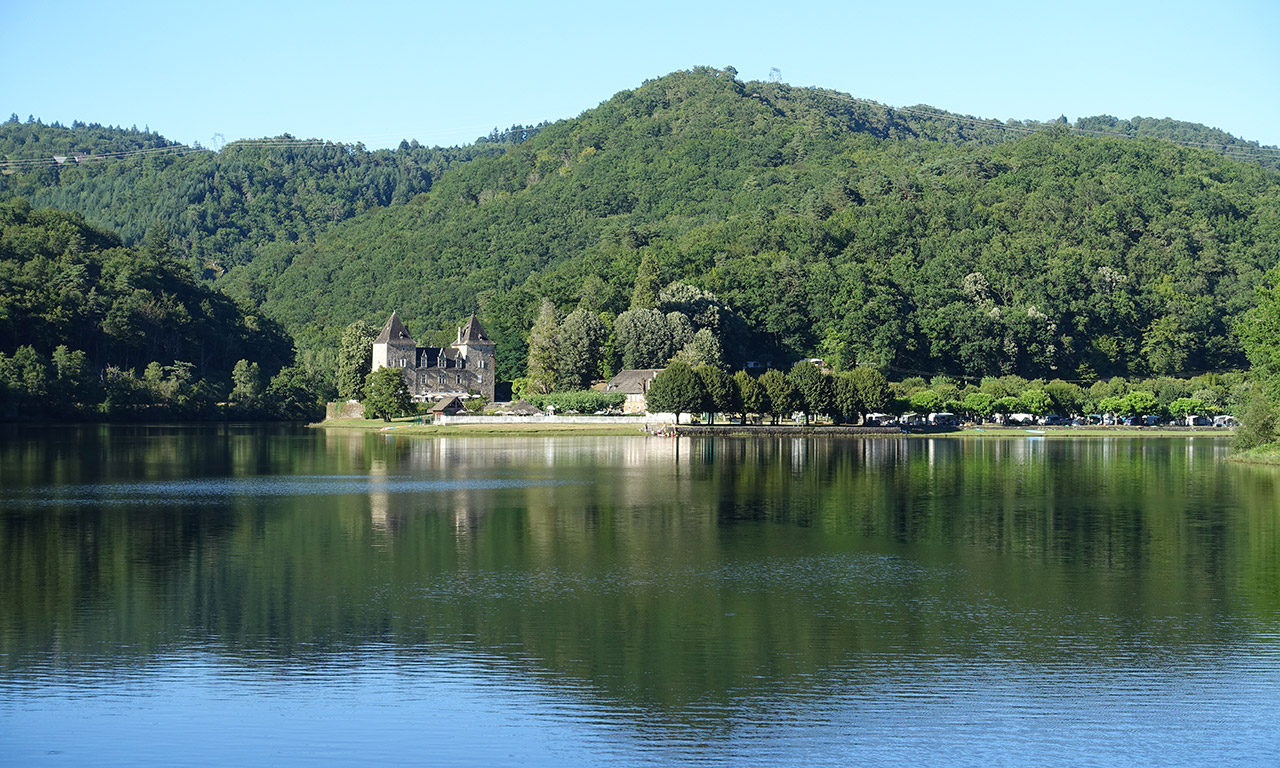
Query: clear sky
(444,73)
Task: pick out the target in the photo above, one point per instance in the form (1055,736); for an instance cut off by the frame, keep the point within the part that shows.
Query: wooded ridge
(815,224)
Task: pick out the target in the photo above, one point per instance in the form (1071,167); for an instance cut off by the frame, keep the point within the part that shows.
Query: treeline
(847,397)
(220,207)
(902,240)
(91,328)
(22,143)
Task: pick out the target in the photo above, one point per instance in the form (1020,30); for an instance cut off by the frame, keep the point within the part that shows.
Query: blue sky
(377,72)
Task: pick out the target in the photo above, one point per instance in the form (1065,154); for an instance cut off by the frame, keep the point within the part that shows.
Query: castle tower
(394,347)
(475,346)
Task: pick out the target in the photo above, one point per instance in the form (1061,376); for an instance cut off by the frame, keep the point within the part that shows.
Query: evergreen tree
(645,295)
(544,342)
(355,359)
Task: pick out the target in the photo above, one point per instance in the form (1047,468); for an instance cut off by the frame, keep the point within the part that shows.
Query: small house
(634,383)
(448,407)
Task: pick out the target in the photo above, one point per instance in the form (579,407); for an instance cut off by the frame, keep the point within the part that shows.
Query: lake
(272,595)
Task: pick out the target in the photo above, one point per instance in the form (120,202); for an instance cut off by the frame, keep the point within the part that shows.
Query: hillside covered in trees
(911,240)
(92,328)
(771,222)
(219,206)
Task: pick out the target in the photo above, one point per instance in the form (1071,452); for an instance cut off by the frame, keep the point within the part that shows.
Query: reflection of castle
(435,373)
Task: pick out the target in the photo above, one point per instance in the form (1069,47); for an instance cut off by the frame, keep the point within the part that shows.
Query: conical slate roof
(473,333)
(394,330)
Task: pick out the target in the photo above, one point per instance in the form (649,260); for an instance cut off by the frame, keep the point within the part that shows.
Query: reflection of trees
(660,576)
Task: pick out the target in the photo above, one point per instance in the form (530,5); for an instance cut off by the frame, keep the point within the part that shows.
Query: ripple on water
(219,490)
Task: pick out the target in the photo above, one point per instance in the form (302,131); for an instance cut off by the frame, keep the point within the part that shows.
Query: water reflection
(730,600)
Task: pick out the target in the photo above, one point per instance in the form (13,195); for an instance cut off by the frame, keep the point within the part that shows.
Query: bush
(582,401)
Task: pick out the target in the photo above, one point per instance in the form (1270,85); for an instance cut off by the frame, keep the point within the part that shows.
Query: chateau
(435,373)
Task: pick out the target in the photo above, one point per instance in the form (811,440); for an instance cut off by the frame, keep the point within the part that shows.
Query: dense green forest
(913,241)
(722,220)
(92,328)
(219,206)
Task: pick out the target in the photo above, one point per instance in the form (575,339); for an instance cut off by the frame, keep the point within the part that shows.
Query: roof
(452,404)
(524,408)
(473,333)
(394,330)
(634,381)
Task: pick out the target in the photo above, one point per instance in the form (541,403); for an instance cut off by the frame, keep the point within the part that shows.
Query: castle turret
(394,347)
(478,350)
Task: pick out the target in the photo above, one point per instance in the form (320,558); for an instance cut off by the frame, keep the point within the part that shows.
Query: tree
(544,340)
(1036,401)
(722,391)
(1007,405)
(355,359)
(1138,403)
(978,404)
(1112,404)
(1187,406)
(873,388)
(71,375)
(645,294)
(812,387)
(846,401)
(291,395)
(582,336)
(702,349)
(751,394)
(925,401)
(386,394)
(783,400)
(246,381)
(677,390)
(643,336)
(1067,398)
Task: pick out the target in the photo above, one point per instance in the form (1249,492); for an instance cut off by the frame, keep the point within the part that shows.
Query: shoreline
(409,426)
(1267,455)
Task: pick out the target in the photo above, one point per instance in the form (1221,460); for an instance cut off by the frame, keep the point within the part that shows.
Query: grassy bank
(1263,454)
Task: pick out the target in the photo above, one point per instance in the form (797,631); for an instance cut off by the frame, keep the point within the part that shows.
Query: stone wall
(351,409)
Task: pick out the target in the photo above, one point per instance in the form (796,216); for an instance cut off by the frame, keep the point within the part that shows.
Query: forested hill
(219,207)
(912,239)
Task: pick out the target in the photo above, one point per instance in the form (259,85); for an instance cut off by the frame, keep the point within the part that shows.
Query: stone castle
(439,373)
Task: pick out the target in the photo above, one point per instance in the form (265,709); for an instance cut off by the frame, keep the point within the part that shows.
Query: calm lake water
(233,596)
